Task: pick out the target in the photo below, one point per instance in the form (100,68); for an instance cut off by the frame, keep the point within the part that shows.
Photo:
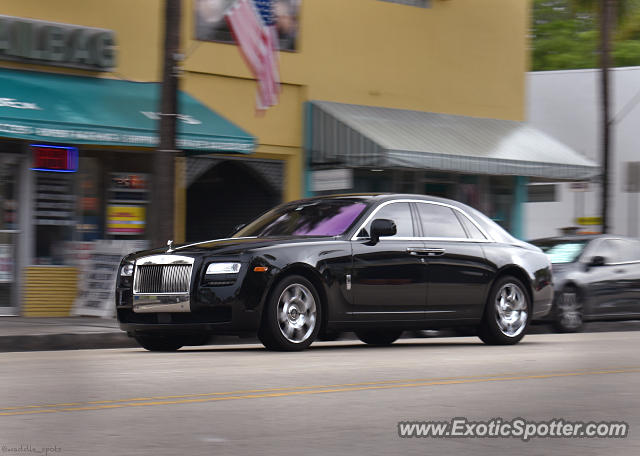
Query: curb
(48,342)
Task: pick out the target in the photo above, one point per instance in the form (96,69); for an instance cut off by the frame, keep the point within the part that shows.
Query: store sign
(587,221)
(56,44)
(61,159)
(126,220)
(98,264)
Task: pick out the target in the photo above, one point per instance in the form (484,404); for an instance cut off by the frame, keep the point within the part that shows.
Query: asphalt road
(335,398)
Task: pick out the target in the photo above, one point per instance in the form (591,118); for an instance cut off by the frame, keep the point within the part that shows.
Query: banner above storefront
(81,110)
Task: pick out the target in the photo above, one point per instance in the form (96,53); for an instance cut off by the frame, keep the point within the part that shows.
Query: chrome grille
(162,274)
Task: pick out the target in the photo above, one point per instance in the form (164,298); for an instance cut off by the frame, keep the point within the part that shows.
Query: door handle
(425,251)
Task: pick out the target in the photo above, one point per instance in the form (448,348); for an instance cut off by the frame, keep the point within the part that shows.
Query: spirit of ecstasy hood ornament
(170,244)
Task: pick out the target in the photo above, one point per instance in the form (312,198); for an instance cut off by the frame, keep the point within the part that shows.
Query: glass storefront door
(9,167)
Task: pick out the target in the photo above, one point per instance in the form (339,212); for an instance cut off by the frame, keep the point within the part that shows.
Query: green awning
(84,110)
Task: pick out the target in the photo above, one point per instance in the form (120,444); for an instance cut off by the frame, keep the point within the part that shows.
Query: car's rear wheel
(291,317)
(160,342)
(379,337)
(507,313)
(568,312)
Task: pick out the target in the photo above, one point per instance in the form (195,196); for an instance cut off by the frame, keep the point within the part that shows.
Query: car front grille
(155,276)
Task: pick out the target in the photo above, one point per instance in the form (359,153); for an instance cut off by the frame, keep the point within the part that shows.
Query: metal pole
(163,160)
(607,11)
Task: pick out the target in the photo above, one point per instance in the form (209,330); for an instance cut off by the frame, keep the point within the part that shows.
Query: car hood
(227,246)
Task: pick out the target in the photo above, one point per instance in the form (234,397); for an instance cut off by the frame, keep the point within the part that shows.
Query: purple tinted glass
(329,217)
(334,225)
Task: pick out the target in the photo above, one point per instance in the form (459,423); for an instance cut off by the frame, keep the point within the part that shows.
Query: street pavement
(335,398)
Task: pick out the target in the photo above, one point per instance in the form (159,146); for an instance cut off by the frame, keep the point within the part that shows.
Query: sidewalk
(66,333)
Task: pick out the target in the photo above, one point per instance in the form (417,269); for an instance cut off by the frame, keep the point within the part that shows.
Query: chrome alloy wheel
(570,310)
(511,310)
(296,313)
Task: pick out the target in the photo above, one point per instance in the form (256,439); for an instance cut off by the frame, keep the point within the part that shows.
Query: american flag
(252,23)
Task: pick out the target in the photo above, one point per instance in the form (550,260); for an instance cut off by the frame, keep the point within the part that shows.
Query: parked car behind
(595,277)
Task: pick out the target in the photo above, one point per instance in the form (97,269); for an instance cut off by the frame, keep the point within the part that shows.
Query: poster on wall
(97,283)
(126,220)
(212,26)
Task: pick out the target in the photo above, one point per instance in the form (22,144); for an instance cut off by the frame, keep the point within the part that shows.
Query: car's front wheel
(507,313)
(379,337)
(569,311)
(291,317)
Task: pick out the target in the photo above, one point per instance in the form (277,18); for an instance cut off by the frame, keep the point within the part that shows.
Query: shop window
(128,199)
(284,15)
(54,215)
(9,165)
(541,193)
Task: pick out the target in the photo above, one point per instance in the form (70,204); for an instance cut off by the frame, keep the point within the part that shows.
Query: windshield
(310,218)
(563,251)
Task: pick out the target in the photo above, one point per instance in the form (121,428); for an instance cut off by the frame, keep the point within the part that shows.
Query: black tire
(163,343)
(510,326)
(279,330)
(568,311)
(379,337)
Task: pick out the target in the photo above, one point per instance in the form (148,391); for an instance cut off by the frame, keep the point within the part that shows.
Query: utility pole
(162,216)
(607,17)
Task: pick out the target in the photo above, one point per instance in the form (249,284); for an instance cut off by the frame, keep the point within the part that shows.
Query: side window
(472,230)
(620,250)
(612,250)
(439,221)
(400,213)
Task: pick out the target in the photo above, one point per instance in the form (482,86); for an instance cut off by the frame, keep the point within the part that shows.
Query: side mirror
(382,227)
(597,261)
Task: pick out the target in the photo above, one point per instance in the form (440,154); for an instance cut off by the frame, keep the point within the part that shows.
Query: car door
(458,274)
(388,277)
(611,285)
(609,282)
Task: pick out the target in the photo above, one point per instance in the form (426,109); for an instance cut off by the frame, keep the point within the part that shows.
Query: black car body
(596,277)
(376,263)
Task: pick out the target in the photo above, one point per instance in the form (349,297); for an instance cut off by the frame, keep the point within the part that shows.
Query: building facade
(461,59)
(566,104)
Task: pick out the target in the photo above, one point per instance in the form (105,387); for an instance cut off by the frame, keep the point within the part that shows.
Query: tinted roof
(385,197)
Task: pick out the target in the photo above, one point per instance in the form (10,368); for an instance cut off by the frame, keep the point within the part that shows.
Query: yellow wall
(464,57)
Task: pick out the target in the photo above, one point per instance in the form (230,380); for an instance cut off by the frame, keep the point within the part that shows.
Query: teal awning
(84,110)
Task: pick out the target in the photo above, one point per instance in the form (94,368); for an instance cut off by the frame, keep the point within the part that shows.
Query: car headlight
(127,270)
(223,268)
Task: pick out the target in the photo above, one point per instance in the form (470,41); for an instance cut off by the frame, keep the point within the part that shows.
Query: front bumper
(222,309)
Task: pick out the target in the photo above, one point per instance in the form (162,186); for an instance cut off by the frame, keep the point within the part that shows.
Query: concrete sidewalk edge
(48,342)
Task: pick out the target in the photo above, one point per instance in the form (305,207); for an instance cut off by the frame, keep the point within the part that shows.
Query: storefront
(75,167)
(485,163)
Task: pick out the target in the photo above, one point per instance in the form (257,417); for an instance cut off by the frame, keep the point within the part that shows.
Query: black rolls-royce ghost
(376,264)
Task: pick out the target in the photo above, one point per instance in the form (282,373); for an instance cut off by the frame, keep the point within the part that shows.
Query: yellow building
(340,61)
